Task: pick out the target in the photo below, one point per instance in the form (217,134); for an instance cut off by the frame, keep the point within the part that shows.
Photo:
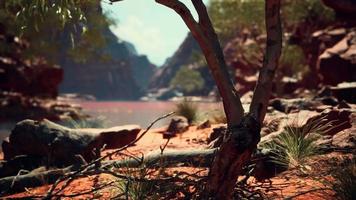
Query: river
(116,113)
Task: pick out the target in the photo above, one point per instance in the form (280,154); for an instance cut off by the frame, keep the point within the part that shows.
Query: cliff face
(165,74)
(124,76)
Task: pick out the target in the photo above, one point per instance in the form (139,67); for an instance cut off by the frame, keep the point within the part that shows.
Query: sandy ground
(287,184)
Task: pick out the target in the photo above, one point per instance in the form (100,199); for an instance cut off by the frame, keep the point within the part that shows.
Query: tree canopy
(54,28)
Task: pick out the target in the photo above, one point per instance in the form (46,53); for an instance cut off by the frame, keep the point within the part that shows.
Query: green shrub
(138,190)
(293,62)
(187,80)
(98,122)
(188,110)
(296,144)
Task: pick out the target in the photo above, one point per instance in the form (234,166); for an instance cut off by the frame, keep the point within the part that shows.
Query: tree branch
(263,88)
(208,41)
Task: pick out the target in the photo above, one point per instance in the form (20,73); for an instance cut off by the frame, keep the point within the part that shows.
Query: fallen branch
(194,158)
(13,184)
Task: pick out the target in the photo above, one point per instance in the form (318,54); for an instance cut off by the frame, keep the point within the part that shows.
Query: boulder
(346,138)
(61,144)
(337,64)
(178,124)
(340,120)
(345,91)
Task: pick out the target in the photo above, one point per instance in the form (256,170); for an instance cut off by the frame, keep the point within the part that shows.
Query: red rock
(338,63)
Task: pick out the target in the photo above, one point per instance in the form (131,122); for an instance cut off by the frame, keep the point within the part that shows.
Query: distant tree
(187,80)
(228,23)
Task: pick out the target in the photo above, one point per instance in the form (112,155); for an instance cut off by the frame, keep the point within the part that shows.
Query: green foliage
(187,80)
(188,110)
(296,144)
(292,62)
(344,180)
(98,122)
(306,11)
(138,190)
(198,59)
(53,26)
(231,16)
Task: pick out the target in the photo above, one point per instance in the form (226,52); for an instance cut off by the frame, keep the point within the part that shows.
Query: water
(117,113)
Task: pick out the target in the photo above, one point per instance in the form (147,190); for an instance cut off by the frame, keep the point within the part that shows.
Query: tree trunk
(243,140)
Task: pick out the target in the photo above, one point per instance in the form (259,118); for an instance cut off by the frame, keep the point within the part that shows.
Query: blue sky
(155,30)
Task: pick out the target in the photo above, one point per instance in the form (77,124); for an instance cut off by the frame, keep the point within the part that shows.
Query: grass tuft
(188,110)
(98,122)
(296,144)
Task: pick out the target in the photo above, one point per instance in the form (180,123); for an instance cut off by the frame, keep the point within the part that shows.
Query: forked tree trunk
(243,139)
(244,131)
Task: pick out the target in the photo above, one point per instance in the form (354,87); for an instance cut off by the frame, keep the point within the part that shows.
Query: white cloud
(147,40)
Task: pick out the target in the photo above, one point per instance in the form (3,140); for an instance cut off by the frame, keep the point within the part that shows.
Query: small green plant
(137,190)
(98,122)
(344,180)
(296,144)
(188,110)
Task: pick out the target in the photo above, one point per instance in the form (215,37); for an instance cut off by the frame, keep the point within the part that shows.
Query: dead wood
(193,158)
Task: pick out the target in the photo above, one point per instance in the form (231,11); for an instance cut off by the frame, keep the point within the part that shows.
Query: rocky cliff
(326,51)
(181,57)
(123,76)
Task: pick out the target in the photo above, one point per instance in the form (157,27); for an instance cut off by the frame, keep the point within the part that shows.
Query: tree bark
(13,184)
(263,88)
(243,140)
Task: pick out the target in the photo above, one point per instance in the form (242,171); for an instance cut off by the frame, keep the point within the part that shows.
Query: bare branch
(263,88)
(185,14)
(208,41)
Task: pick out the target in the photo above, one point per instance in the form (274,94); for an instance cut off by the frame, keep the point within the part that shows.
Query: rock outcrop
(31,77)
(61,145)
(338,63)
(124,76)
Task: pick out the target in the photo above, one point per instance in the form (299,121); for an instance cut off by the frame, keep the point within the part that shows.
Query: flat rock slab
(60,145)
